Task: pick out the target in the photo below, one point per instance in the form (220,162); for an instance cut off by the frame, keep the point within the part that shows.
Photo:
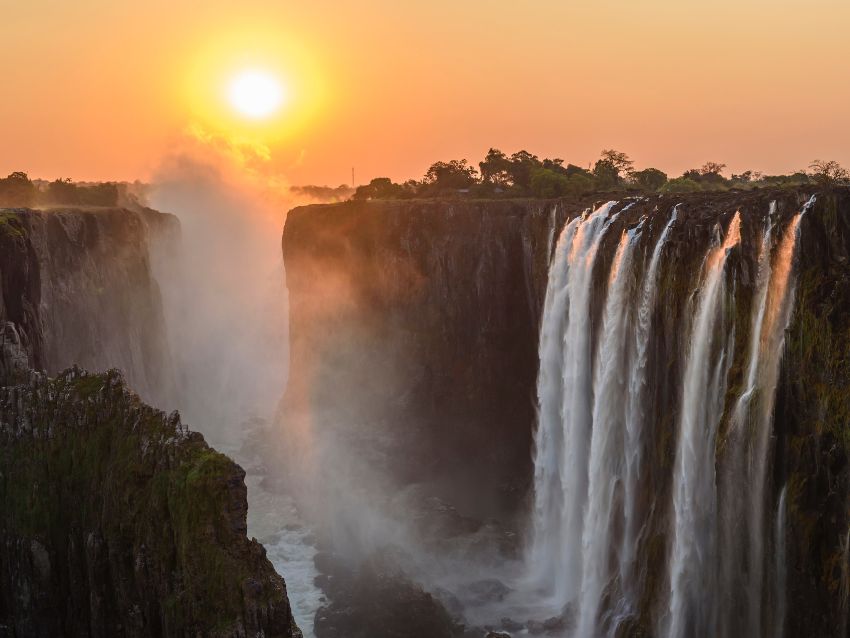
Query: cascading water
(607,440)
(564,396)
(635,417)
(781,572)
(694,495)
(590,519)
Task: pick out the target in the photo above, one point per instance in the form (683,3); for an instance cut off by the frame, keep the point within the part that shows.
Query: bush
(17,190)
(681,185)
(649,179)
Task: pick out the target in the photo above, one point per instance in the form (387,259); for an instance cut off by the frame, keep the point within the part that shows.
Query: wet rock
(486,591)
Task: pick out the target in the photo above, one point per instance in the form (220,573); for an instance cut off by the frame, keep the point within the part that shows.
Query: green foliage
(382,188)
(10,225)
(17,191)
(649,179)
(681,185)
(607,174)
(454,175)
(98,463)
(496,169)
(524,174)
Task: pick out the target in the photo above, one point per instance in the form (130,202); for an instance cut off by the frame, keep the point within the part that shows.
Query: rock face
(422,317)
(116,520)
(77,283)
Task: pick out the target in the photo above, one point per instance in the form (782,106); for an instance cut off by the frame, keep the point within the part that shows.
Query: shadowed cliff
(414,333)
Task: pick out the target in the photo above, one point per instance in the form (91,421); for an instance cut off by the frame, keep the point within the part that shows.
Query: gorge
(536,417)
(685,474)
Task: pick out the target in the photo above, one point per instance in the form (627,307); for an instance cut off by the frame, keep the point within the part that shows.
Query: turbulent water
(597,511)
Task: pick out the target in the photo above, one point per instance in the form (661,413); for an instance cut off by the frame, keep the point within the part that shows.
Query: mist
(224,297)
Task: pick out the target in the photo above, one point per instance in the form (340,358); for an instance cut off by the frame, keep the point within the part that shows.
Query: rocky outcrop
(116,520)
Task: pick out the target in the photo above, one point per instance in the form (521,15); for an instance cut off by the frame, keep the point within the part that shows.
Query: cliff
(423,316)
(419,320)
(116,519)
(77,283)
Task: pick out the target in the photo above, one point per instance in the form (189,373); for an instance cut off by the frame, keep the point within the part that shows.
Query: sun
(256,94)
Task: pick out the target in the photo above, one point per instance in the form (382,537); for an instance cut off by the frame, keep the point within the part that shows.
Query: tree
(712,168)
(708,175)
(380,188)
(62,191)
(649,179)
(681,185)
(606,173)
(495,169)
(103,194)
(618,160)
(17,190)
(522,164)
(547,183)
(828,173)
(453,175)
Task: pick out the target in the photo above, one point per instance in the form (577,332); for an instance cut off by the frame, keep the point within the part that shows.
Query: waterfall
(607,440)
(780,300)
(781,571)
(565,407)
(694,496)
(593,521)
(635,416)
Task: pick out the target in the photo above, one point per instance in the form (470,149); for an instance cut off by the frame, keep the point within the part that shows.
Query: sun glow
(252,85)
(256,94)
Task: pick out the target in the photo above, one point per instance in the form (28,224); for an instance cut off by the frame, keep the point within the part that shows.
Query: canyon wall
(77,284)
(116,519)
(417,322)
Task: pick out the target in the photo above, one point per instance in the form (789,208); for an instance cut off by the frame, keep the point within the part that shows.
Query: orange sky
(104,89)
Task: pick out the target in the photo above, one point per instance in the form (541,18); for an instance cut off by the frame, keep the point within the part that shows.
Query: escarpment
(77,283)
(116,520)
(419,321)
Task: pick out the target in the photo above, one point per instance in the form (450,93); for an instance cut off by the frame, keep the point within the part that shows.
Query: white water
(607,441)
(694,494)
(565,403)
(781,571)
(780,300)
(635,416)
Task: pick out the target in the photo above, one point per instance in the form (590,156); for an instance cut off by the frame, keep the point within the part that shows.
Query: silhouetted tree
(17,190)
(522,164)
(649,179)
(712,168)
(454,175)
(828,173)
(495,169)
(618,160)
(62,191)
(380,188)
(606,173)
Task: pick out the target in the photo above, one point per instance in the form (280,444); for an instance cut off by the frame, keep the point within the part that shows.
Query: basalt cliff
(422,319)
(116,519)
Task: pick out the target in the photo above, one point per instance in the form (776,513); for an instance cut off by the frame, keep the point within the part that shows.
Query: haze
(389,87)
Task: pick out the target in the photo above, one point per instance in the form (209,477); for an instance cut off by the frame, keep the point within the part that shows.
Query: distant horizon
(388,89)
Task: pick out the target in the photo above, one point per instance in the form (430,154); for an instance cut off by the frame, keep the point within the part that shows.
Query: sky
(108,89)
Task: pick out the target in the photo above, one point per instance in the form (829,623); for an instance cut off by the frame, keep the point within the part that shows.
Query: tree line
(523,174)
(17,190)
